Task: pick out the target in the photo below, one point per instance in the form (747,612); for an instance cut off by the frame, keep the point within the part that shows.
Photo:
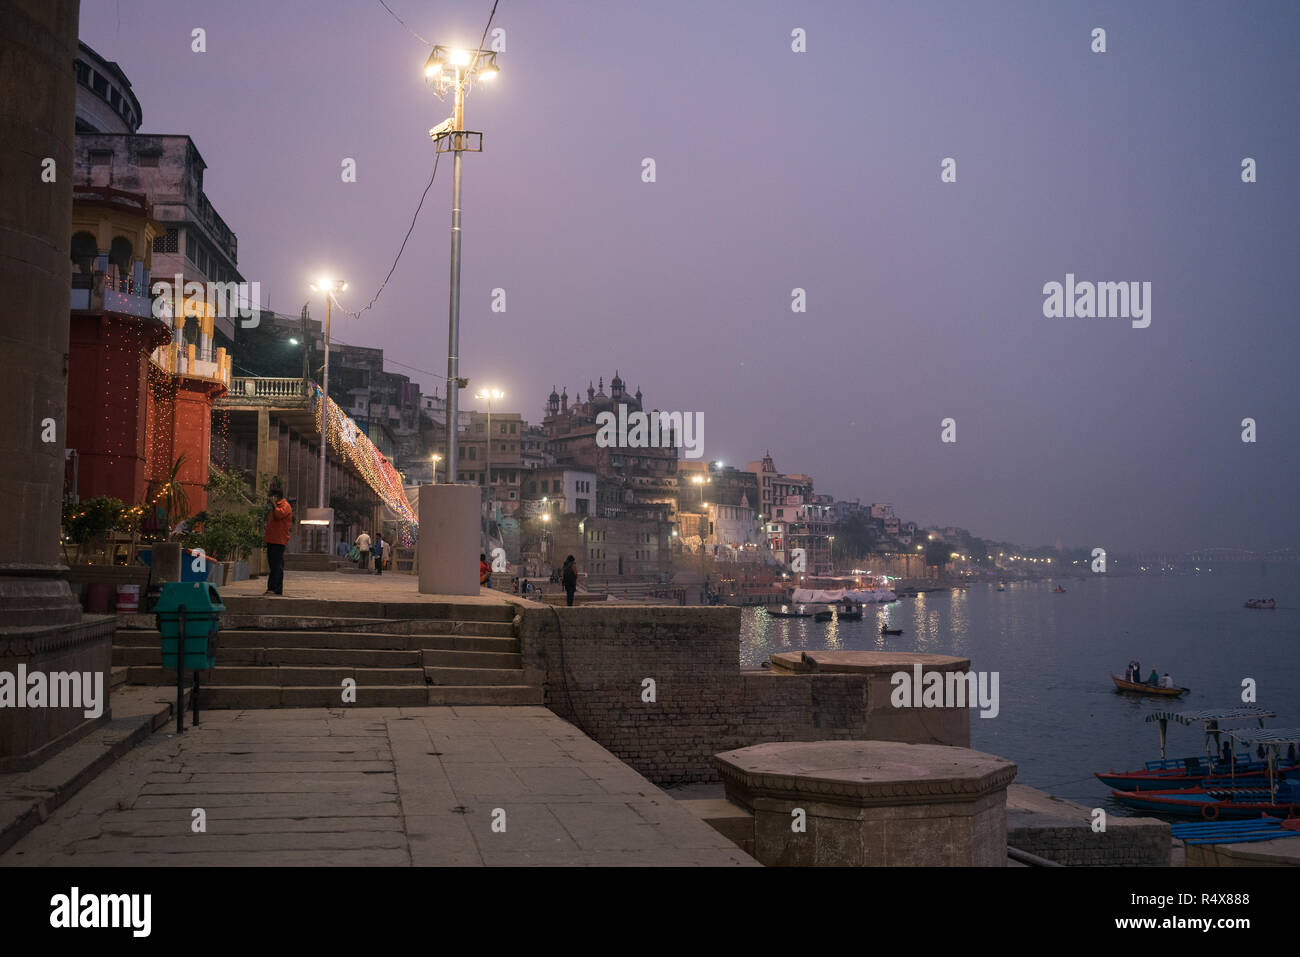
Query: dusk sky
(818,170)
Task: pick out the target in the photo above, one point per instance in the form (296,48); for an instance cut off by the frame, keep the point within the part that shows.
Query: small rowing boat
(1141,687)
(886,630)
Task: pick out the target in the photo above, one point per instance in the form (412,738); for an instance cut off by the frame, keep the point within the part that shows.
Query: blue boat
(1278,798)
(1176,773)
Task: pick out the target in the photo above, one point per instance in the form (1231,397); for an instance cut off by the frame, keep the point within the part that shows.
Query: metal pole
(453,317)
(324,398)
(489,451)
(180,670)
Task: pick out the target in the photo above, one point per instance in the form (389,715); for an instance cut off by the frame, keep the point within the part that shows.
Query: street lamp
(436,459)
(453,70)
(322,515)
(489,394)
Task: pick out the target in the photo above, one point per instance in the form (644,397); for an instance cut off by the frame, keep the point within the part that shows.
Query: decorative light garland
(355,448)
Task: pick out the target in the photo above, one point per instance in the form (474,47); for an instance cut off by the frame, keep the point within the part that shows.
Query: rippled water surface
(1060,718)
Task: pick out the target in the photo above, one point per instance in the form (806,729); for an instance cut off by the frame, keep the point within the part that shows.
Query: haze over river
(1060,718)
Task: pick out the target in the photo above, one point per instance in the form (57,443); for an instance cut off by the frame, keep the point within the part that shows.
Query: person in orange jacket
(278,525)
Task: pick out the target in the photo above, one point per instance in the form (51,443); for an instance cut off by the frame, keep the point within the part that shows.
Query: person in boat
(1166,681)
(1153,678)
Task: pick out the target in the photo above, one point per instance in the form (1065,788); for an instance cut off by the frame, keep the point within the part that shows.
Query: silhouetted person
(569,578)
(377,549)
(484,571)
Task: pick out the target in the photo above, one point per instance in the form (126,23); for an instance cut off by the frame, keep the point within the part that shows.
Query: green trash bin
(198,605)
(189,620)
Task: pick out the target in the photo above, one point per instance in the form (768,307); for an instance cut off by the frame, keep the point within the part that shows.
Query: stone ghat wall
(1061,831)
(703,703)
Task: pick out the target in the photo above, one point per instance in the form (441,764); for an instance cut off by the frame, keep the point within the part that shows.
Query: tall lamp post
(322,515)
(436,458)
(451,71)
(489,394)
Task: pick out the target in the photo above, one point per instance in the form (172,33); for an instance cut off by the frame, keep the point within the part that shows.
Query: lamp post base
(450,539)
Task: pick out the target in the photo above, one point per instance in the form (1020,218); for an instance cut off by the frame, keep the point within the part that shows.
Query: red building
(136,402)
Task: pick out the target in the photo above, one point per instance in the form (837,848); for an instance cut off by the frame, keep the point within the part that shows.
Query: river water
(1060,718)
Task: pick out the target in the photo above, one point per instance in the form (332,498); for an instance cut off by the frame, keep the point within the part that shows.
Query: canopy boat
(1170,773)
(1141,687)
(1266,603)
(788,611)
(1278,797)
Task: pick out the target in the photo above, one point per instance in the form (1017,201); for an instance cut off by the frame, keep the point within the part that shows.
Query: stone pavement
(334,586)
(376,786)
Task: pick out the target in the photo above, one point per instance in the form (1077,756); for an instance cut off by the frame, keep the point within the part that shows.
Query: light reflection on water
(1060,718)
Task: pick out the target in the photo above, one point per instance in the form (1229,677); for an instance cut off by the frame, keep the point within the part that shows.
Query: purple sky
(817,170)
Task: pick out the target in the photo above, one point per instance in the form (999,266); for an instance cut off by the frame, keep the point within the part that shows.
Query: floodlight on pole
(454,69)
(489,395)
(329,287)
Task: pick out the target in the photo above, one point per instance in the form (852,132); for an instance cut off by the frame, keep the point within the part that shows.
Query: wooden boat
(786,612)
(1215,802)
(1268,604)
(1220,770)
(1141,687)
(851,615)
(1228,768)
(823,616)
(885,630)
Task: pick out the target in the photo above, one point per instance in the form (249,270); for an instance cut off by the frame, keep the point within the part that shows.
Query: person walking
(363,546)
(342,548)
(377,549)
(569,578)
(388,554)
(278,524)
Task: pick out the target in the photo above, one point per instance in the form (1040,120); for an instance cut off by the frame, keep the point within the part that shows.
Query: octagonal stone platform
(872,803)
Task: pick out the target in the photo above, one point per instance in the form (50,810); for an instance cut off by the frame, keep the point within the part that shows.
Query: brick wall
(704,703)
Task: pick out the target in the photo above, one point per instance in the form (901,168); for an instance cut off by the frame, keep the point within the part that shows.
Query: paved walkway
(347,586)
(378,786)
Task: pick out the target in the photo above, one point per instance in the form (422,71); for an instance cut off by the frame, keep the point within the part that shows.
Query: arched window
(84,251)
(119,255)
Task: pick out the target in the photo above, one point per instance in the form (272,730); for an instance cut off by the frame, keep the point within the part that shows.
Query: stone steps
(472,676)
(399,696)
(258,655)
(338,639)
(290,660)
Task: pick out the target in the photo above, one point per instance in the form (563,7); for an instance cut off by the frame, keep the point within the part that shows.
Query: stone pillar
(37,49)
(450,539)
(871,803)
(41,625)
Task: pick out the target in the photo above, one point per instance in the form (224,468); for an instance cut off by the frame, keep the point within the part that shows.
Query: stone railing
(264,388)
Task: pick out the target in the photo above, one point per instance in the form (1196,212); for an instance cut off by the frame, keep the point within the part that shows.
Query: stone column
(41,625)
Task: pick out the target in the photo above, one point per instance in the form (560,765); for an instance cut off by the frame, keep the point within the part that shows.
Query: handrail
(265,388)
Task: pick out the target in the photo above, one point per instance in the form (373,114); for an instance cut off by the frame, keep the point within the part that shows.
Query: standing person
(569,578)
(388,554)
(278,524)
(484,571)
(363,546)
(342,548)
(377,549)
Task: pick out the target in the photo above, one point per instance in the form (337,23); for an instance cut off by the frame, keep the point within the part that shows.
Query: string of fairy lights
(354,447)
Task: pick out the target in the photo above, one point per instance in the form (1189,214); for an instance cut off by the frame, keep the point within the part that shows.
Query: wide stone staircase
(273,654)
